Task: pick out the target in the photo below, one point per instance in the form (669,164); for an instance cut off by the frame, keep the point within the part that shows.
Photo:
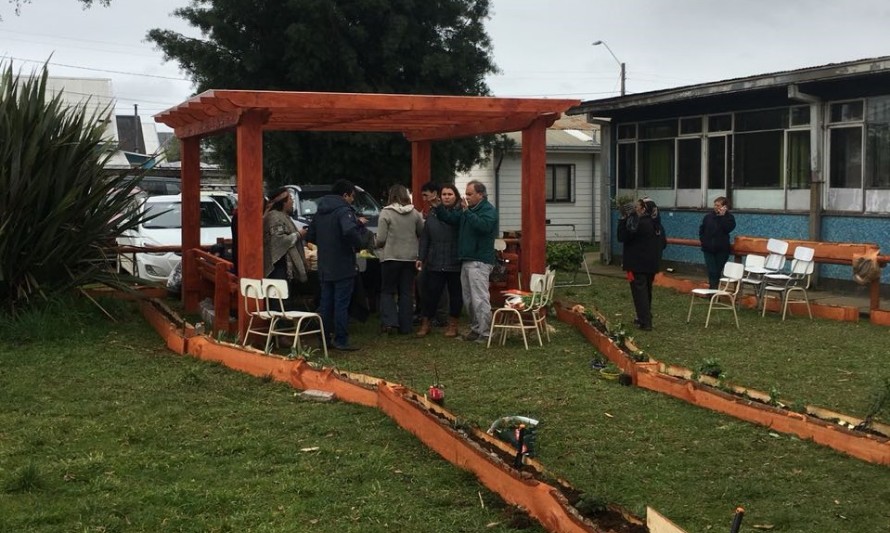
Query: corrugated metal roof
(563,140)
(879,66)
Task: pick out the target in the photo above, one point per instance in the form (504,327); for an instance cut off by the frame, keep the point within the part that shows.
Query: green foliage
(25,479)
(58,210)
(880,401)
(621,200)
(354,46)
(564,256)
(710,367)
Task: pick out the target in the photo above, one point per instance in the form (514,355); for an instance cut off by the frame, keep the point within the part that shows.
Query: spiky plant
(59,209)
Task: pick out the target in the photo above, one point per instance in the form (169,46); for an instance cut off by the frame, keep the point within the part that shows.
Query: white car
(166,230)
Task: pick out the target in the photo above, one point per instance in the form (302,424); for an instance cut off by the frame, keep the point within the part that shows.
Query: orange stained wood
(421,119)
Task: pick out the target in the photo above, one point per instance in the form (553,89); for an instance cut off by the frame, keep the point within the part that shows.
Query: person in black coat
(639,228)
(714,236)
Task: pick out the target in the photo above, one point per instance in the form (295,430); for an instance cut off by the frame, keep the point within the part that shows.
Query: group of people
(452,248)
(641,231)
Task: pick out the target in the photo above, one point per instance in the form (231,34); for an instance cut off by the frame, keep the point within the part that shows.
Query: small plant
(774,396)
(622,199)
(25,479)
(880,402)
(598,360)
(710,367)
(639,356)
(618,333)
(564,256)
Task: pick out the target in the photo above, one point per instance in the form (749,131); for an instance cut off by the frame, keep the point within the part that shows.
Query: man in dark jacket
(640,231)
(477,222)
(714,236)
(335,230)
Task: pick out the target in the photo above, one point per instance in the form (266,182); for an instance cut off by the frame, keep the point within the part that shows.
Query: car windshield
(364,204)
(170,217)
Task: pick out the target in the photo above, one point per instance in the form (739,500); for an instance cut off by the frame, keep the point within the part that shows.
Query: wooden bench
(831,253)
(217,281)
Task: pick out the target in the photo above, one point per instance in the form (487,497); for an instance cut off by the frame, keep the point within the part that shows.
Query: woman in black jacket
(714,236)
(640,230)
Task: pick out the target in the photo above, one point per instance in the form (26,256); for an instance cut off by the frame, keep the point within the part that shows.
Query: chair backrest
(804,253)
(251,292)
(777,246)
(732,277)
(775,261)
(802,266)
(754,261)
(500,245)
(275,289)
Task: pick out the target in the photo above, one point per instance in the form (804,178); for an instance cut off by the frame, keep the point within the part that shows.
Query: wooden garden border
(678,382)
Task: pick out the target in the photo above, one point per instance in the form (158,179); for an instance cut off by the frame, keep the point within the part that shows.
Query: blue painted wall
(684,224)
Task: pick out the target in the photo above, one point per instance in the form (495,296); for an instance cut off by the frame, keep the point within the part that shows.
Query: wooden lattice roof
(418,117)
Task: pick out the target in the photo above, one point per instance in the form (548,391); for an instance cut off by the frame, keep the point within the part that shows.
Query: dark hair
(279,205)
(722,200)
(343,187)
(453,188)
(431,186)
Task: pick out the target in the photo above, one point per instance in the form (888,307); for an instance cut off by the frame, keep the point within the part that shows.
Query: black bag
(499,270)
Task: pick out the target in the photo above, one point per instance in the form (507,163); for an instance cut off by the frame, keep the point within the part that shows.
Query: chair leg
(270,334)
(710,307)
(734,313)
(689,314)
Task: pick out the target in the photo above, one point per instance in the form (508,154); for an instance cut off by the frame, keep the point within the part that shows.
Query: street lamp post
(620,63)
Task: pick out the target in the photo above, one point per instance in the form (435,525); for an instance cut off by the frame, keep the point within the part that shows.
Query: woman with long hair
(399,227)
(639,228)
(440,262)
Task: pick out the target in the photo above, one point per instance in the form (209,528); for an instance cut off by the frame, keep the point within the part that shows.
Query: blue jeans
(334,308)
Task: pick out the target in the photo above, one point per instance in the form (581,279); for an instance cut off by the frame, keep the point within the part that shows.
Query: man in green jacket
(477,228)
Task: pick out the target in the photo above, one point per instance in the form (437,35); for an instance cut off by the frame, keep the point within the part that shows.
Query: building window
(845,162)
(719,123)
(689,163)
(758,160)
(877,143)
(558,180)
(656,145)
(627,165)
(719,156)
(799,159)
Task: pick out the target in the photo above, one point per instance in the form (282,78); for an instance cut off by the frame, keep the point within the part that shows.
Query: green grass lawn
(104,430)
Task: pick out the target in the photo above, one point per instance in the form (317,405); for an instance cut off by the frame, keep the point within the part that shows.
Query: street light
(623,78)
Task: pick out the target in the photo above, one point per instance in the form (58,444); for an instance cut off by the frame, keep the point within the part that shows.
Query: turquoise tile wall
(684,224)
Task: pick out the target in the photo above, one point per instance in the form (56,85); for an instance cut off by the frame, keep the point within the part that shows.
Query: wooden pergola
(421,119)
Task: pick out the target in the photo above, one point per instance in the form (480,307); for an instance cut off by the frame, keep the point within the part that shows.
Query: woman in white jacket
(399,227)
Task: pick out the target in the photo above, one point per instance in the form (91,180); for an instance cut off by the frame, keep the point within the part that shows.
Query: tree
(370,46)
(59,209)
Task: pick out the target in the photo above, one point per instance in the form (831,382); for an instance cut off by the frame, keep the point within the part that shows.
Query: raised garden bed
(870,442)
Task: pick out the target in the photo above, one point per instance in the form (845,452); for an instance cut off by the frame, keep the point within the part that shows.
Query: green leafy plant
(59,210)
(774,396)
(621,199)
(710,367)
(564,256)
(880,401)
(618,333)
(639,356)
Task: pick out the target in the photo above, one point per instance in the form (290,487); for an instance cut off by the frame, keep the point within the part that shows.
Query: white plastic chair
(276,292)
(722,297)
(252,294)
(508,317)
(775,262)
(753,264)
(546,302)
(783,286)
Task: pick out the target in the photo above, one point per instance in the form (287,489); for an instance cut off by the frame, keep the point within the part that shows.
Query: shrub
(59,209)
(564,256)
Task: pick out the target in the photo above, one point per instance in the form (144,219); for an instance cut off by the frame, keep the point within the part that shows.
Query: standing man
(335,230)
(714,236)
(477,222)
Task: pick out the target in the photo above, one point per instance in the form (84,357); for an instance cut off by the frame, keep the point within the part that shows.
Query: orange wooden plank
(249,143)
(533,254)
(191,220)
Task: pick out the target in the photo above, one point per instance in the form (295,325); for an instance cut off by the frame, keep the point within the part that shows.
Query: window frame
(551,176)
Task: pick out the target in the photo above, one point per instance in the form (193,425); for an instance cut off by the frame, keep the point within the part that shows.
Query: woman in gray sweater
(398,229)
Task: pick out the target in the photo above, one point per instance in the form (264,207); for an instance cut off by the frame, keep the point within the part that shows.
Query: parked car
(166,230)
(306,203)
(227,200)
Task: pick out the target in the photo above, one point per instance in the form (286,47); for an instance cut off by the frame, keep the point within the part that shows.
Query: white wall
(581,212)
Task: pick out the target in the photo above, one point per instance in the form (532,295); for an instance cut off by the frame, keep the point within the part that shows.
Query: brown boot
(424,327)
(451,329)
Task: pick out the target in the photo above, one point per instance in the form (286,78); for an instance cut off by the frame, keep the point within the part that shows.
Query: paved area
(856,296)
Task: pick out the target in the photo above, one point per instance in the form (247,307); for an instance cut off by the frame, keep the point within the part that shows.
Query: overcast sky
(543,47)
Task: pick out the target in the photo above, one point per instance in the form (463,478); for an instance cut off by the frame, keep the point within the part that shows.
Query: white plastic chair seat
(722,297)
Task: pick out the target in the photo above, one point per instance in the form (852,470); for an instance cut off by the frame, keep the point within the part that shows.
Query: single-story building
(801,154)
(573,176)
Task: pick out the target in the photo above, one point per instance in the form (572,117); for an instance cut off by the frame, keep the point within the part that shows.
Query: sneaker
(471,336)
(482,339)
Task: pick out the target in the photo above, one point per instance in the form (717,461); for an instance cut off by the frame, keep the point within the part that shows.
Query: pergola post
(532,258)
(421,162)
(249,168)
(191,219)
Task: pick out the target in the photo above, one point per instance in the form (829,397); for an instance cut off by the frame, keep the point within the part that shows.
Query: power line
(69,38)
(99,69)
